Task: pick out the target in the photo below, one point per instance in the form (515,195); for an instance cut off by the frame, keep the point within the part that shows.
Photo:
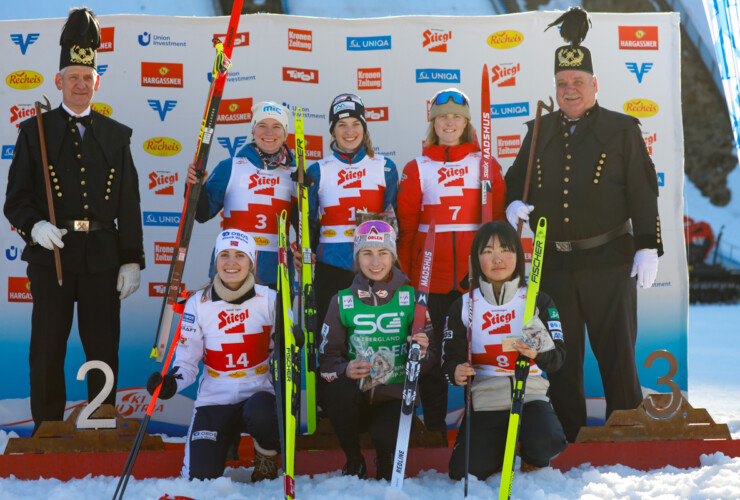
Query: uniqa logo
(640,108)
(505,39)
(162,146)
(102,108)
(24,80)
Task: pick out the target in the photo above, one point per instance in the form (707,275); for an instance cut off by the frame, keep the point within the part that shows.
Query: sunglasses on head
(457,98)
(347,97)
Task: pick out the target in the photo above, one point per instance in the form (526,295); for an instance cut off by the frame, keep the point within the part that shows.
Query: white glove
(129,278)
(518,210)
(645,266)
(47,235)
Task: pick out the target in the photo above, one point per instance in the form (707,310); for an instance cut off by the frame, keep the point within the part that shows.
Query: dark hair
(507,238)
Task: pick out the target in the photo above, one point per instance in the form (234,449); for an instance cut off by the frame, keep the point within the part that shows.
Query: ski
(221,67)
(306,297)
(413,364)
(291,357)
(493,188)
(521,369)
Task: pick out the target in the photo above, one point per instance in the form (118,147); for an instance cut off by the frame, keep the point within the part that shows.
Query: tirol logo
(504,74)
(237,319)
(640,70)
(491,319)
(640,108)
(154,74)
(300,40)
(163,252)
(505,39)
(158,289)
(24,80)
(162,146)
(23,43)
(314,148)
(351,179)
(638,38)
(102,108)
(147,38)
(162,182)
(107,37)
(161,218)
(452,176)
(368,43)
(437,75)
(240,39)
(650,139)
(20,112)
(376,114)
(507,146)
(300,75)
(265,184)
(232,148)
(235,111)
(19,289)
(509,109)
(7,152)
(435,40)
(369,78)
(161,108)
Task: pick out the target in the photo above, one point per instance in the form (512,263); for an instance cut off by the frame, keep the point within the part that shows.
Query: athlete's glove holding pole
(169,383)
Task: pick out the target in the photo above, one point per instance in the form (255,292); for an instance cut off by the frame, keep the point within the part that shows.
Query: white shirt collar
(72,113)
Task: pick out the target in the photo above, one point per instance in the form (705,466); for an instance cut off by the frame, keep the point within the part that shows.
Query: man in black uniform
(595,183)
(95,191)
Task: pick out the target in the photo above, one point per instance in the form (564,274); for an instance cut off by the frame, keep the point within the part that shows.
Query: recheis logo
(232,147)
(161,218)
(102,108)
(162,146)
(437,75)
(504,74)
(146,39)
(369,78)
(163,252)
(265,184)
(300,40)
(162,182)
(19,289)
(639,71)
(300,75)
(368,43)
(235,111)
(435,40)
(650,139)
(349,179)
(638,38)
(506,39)
(640,108)
(376,114)
(509,109)
(507,146)
(22,42)
(314,147)
(159,289)
(20,112)
(7,152)
(24,80)
(107,38)
(154,74)
(240,39)
(161,108)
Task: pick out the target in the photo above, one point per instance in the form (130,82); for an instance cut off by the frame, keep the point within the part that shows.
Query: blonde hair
(367,143)
(468,135)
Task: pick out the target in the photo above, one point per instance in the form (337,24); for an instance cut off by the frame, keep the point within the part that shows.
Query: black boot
(355,467)
(383,465)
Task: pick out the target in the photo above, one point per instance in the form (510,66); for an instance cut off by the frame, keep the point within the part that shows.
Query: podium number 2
(84,421)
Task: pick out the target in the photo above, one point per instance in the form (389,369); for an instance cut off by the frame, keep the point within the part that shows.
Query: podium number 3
(83,420)
(667,380)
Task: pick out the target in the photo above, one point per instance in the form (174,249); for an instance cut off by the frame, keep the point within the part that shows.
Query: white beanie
(270,109)
(238,240)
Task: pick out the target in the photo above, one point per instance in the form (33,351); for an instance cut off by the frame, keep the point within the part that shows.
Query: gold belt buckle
(563,246)
(82,225)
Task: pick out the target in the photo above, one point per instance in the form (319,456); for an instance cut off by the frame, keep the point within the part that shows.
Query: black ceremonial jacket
(92,179)
(589,182)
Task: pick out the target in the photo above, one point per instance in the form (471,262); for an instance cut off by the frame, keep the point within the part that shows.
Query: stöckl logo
(506,39)
(368,43)
(162,146)
(641,108)
(24,80)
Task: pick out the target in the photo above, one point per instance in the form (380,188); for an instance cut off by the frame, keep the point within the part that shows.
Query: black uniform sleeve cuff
(132,256)
(649,241)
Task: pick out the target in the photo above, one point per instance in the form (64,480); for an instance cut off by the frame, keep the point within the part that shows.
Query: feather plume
(81,29)
(574,25)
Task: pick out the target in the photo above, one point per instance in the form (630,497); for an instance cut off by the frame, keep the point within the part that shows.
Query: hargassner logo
(232,147)
(437,75)
(156,74)
(22,42)
(640,70)
(107,39)
(638,38)
(368,43)
(161,218)
(235,111)
(161,108)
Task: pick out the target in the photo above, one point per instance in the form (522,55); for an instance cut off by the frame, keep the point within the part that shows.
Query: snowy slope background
(713,383)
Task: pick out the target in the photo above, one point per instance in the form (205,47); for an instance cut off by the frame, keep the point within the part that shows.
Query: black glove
(169,385)
(307,179)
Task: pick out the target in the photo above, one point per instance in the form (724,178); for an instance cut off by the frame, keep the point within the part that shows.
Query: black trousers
(212,429)
(432,383)
(351,413)
(98,318)
(603,301)
(541,439)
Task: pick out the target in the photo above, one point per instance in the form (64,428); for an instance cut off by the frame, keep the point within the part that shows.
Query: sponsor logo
(329,377)
(24,80)
(369,78)
(162,146)
(553,313)
(388,323)
(102,68)
(507,146)
(300,40)
(159,289)
(504,75)
(506,39)
(232,148)
(404,298)
(7,151)
(133,403)
(11,253)
(661,179)
(638,38)
(162,218)
(314,147)
(639,71)
(554,325)
(368,43)
(19,289)
(329,233)
(348,302)
(491,320)
(210,435)
(261,241)
(240,39)
(229,319)
(363,294)
(435,40)
(452,176)
(235,111)
(23,43)
(188,318)
(509,109)
(162,182)
(107,38)
(527,247)
(146,39)
(160,108)
(300,75)
(163,252)
(155,74)
(437,75)
(265,184)
(349,179)
(233,77)
(557,334)
(349,232)
(20,112)
(376,114)
(650,139)
(102,108)
(640,108)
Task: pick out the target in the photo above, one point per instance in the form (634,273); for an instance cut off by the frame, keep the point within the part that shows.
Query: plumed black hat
(80,39)
(574,25)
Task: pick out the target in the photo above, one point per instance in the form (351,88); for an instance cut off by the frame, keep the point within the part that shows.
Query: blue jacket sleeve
(215,190)
(313,192)
(391,185)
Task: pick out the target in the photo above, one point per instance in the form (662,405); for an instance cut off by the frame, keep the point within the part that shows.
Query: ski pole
(468,396)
